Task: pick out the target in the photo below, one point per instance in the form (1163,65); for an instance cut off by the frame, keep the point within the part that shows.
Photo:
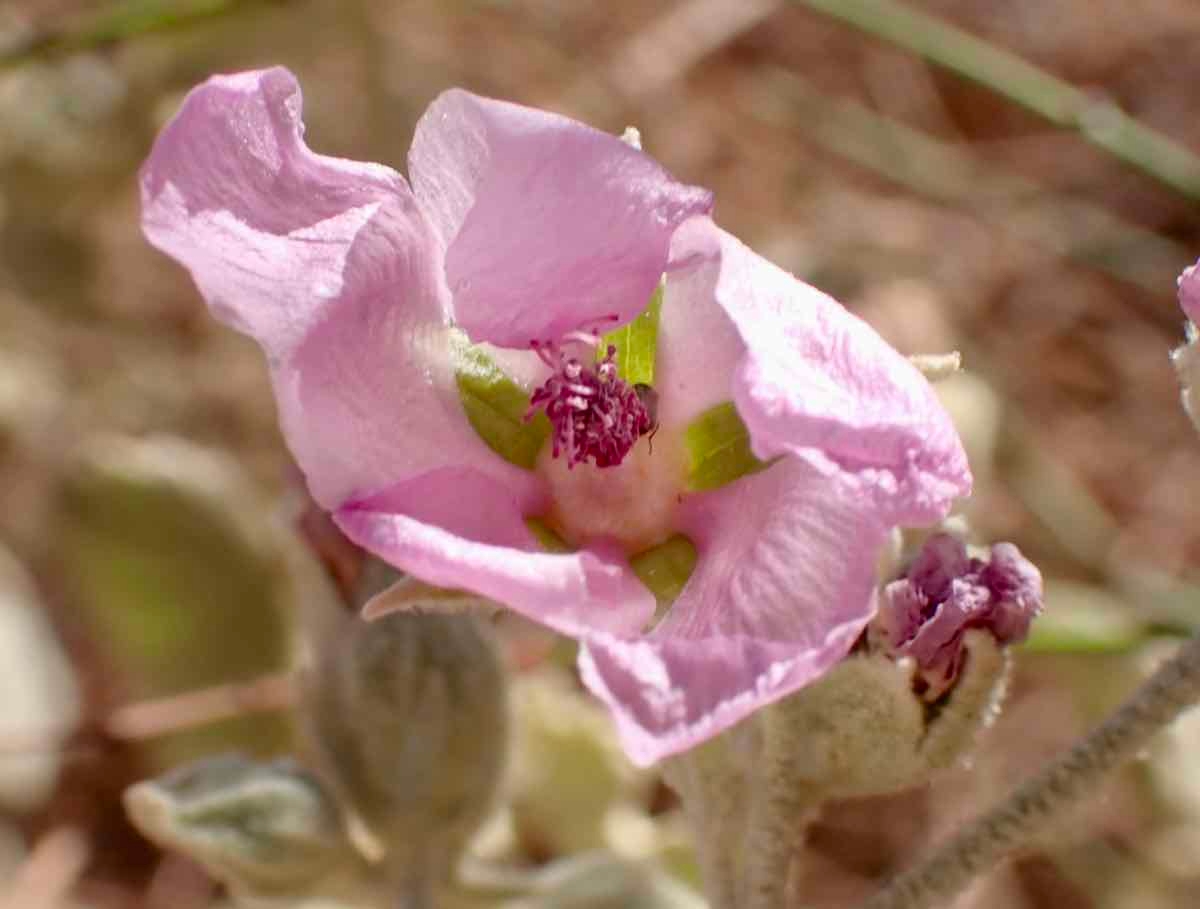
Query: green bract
(496,406)
(547,538)
(637,343)
(665,568)
(718,448)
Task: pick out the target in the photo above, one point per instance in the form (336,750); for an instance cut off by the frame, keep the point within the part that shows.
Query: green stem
(1099,122)
(120,22)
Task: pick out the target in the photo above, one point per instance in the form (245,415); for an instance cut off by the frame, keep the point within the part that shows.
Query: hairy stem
(1055,789)
(781,811)
(714,796)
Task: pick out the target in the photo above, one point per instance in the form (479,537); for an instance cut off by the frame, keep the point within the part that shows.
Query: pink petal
(331,267)
(812,379)
(264,225)
(549,225)
(463,529)
(783,586)
(699,347)
(670,695)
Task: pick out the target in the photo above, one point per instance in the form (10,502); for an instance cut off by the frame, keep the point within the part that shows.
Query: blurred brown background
(946,214)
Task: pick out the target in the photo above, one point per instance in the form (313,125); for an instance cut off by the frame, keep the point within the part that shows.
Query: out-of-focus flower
(945,593)
(426,343)
(1189,292)
(1187,357)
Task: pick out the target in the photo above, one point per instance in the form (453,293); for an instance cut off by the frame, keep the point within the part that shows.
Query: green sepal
(496,406)
(665,568)
(718,448)
(546,537)
(637,343)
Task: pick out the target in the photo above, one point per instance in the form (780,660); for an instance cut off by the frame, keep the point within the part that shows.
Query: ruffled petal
(670,695)
(462,529)
(812,379)
(699,347)
(550,226)
(263,224)
(783,586)
(330,266)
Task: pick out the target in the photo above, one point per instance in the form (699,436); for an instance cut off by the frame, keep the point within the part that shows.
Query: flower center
(634,504)
(594,414)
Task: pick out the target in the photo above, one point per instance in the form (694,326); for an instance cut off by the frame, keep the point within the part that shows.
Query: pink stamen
(595,415)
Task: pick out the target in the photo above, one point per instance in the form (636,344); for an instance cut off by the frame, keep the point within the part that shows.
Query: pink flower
(384,309)
(945,593)
(1189,293)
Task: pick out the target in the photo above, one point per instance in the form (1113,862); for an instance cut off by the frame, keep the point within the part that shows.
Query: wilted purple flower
(944,593)
(790,438)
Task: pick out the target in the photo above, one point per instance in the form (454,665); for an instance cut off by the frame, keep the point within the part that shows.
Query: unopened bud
(407,720)
(863,730)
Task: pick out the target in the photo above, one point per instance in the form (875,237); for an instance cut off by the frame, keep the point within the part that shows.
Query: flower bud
(407,720)
(862,730)
(268,831)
